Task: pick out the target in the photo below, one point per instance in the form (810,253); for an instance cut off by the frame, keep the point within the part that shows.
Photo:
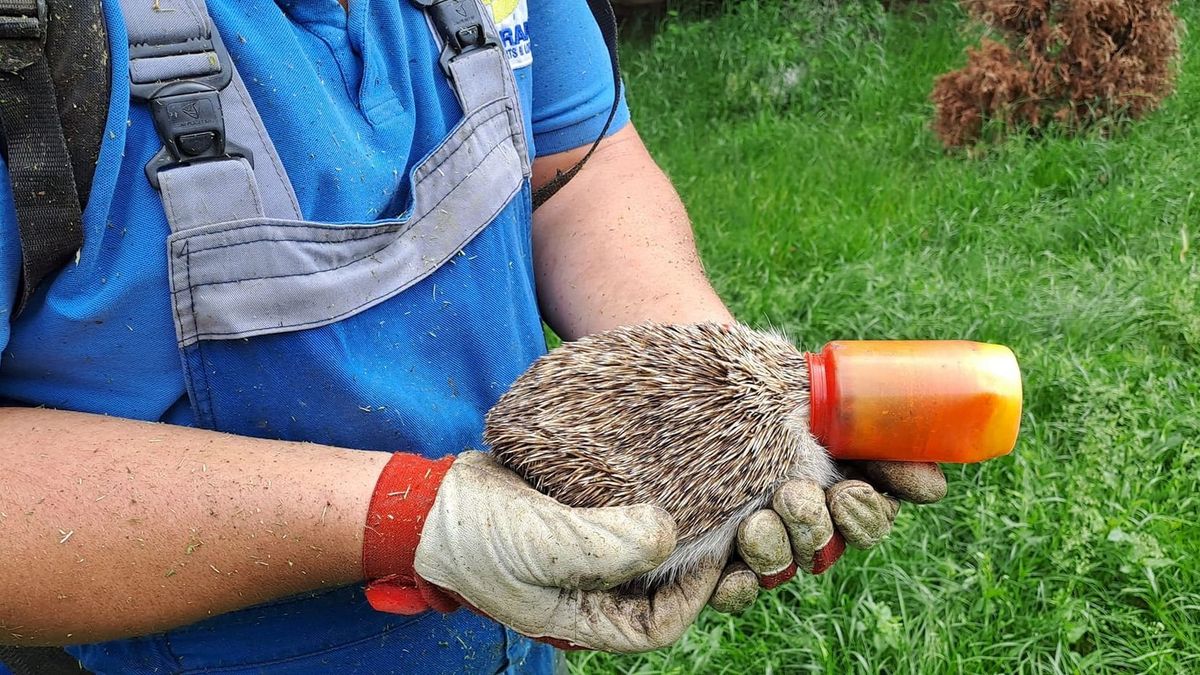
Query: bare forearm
(113,528)
(614,247)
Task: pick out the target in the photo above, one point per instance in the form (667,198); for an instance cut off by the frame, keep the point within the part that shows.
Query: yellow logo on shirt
(502,9)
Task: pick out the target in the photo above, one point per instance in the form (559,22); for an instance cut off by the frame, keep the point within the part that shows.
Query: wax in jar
(925,401)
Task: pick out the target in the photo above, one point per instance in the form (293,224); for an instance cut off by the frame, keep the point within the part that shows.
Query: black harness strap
(77,51)
(603,12)
(39,167)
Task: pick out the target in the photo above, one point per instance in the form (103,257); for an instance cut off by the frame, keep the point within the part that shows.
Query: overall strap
(49,221)
(217,163)
(472,57)
(466,36)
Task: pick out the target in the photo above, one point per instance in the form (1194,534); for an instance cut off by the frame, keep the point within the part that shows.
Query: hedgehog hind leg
(808,460)
(716,545)
(811,461)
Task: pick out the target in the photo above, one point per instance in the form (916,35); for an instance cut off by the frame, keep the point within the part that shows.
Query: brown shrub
(1074,62)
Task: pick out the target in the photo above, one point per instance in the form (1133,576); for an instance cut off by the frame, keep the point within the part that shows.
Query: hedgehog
(704,420)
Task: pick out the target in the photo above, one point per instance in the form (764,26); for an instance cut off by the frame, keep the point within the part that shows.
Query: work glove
(473,532)
(807,528)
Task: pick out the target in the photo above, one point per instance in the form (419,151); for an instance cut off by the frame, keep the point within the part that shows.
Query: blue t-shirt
(352,101)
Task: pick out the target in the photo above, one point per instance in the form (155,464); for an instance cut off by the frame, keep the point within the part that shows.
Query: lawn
(799,137)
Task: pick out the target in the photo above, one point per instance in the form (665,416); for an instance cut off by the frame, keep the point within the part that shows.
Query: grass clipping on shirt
(1071,63)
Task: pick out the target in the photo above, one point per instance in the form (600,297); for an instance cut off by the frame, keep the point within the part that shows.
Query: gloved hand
(808,528)
(488,539)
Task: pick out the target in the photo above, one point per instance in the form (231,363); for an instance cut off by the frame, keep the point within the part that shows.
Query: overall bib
(393,335)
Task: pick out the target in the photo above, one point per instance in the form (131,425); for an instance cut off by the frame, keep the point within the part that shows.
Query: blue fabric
(574,93)
(315,634)
(351,103)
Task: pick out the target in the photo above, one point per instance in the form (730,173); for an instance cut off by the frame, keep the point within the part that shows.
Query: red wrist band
(828,554)
(772,580)
(822,560)
(402,498)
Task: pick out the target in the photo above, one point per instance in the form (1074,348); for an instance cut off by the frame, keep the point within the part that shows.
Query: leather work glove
(808,528)
(467,530)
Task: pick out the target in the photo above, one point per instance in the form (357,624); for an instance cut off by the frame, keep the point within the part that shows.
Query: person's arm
(111,528)
(614,247)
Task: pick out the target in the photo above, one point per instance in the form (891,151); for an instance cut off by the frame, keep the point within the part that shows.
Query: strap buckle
(461,26)
(24,21)
(187,112)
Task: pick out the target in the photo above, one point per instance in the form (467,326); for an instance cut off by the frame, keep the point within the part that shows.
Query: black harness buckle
(461,26)
(23,21)
(187,113)
(22,35)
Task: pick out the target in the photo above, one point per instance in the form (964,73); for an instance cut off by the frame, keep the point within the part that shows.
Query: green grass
(824,206)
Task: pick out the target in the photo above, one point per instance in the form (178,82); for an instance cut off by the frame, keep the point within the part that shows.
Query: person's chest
(352,99)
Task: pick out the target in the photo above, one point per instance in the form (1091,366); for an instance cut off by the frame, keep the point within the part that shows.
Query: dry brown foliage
(1073,62)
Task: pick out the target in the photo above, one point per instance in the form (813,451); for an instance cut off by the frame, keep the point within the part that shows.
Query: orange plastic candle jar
(932,401)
